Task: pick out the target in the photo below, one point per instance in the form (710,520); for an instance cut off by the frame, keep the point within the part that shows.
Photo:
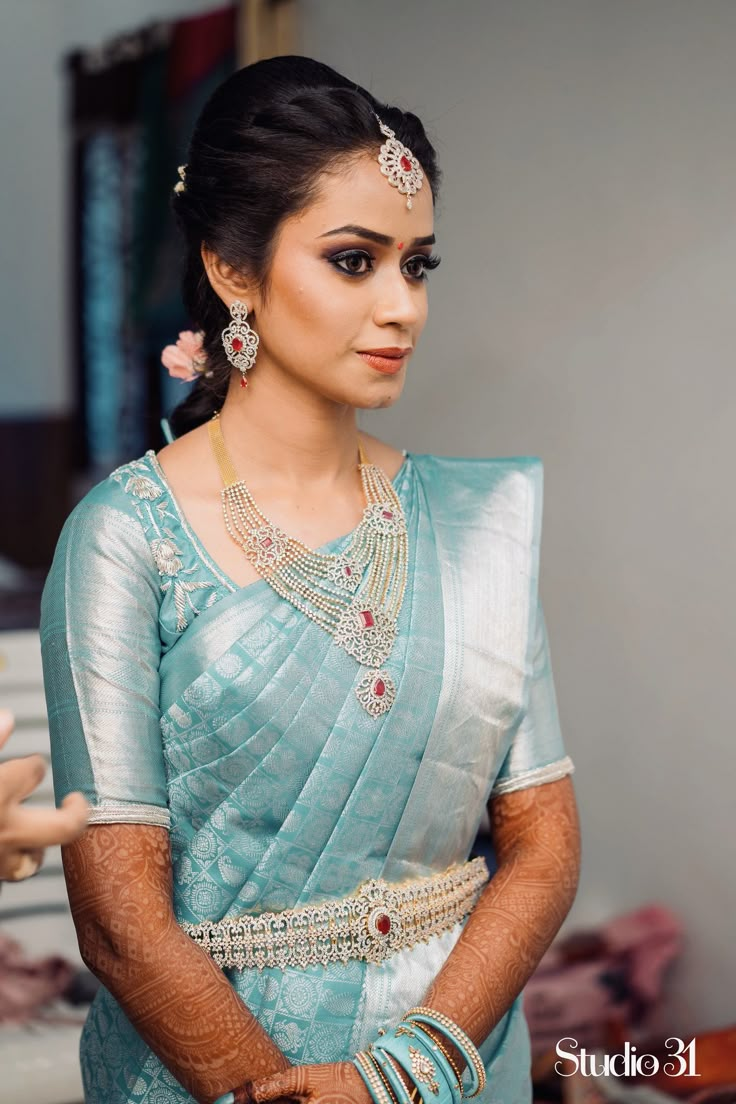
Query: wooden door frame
(266,28)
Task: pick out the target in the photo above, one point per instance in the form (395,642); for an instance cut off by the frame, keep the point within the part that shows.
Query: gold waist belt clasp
(373,923)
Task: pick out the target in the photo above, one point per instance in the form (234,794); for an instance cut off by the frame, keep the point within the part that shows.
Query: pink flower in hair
(185,360)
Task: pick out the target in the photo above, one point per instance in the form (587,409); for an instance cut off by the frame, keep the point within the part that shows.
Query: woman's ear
(228,283)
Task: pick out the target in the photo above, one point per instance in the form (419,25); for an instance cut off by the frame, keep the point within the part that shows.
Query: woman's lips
(389,365)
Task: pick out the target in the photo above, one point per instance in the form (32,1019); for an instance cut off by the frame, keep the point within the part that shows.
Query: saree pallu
(177,698)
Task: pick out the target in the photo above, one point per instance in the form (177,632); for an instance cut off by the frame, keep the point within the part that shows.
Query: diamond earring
(240,341)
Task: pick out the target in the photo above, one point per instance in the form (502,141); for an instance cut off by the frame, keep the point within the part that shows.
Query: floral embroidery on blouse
(153,507)
(166,555)
(143,487)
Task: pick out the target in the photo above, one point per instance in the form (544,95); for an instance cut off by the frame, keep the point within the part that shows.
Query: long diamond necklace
(325,585)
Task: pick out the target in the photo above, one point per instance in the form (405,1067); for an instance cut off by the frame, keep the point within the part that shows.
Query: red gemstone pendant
(383,923)
(367,618)
(405,163)
(243,381)
(376,692)
(237,344)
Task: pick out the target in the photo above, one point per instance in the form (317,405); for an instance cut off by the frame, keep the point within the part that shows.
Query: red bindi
(400,245)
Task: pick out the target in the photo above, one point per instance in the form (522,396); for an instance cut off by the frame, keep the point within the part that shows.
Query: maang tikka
(240,341)
(399,165)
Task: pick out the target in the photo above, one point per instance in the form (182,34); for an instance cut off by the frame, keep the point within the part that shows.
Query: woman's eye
(425,264)
(352,263)
(353,260)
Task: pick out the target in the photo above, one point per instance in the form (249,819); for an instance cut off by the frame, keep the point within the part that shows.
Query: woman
(255,734)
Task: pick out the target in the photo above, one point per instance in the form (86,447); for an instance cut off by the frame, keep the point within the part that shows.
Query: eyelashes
(427,263)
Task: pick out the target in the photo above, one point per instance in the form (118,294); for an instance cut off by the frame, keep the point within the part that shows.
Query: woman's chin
(383,393)
(371,394)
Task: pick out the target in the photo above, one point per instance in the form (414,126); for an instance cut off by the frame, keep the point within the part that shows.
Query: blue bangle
(458,1037)
(394,1079)
(435,1072)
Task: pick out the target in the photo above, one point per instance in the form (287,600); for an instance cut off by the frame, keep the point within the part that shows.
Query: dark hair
(258,147)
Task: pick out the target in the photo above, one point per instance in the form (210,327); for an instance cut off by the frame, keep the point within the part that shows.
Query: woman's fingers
(277,1086)
(25,831)
(46,827)
(71,818)
(76,810)
(19,778)
(15,866)
(6,725)
(329,1083)
(30,827)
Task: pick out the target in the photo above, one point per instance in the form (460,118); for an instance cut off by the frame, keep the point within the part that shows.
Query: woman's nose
(399,301)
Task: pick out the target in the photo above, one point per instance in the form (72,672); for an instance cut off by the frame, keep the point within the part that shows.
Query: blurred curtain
(132,104)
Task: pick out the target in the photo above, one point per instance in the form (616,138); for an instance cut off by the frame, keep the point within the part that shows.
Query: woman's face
(336,292)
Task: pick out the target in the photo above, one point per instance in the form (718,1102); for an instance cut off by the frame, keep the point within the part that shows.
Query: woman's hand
(336,1083)
(24,832)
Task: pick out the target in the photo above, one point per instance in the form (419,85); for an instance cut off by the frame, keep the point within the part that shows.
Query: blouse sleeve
(537,752)
(100,649)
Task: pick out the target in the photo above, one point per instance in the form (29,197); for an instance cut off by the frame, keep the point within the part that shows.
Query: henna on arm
(537,842)
(119,880)
(536,837)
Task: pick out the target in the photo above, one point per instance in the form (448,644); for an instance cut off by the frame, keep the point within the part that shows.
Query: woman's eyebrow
(374,236)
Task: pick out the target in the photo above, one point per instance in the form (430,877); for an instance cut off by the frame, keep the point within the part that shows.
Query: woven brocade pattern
(175,695)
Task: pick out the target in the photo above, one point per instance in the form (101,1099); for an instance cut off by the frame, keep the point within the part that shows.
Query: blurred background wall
(43,372)
(36,35)
(583,312)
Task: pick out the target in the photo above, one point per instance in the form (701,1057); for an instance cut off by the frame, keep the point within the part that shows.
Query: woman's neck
(298,438)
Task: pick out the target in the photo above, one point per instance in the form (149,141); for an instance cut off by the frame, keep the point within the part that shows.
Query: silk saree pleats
(283,790)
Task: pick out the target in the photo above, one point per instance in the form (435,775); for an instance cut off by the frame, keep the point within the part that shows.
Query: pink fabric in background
(611,974)
(27,985)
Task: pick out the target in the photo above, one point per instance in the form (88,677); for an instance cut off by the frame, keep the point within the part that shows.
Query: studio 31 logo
(628,1063)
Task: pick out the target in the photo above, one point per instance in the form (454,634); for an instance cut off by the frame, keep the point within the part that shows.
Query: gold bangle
(376,1081)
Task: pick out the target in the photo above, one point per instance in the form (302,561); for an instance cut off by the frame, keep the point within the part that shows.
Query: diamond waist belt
(372,923)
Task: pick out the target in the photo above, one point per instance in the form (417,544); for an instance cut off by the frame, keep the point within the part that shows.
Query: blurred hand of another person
(25,832)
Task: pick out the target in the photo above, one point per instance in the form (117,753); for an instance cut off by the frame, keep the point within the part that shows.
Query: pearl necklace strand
(324,585)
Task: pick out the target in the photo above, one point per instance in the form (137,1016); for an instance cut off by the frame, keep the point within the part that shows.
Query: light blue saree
(177,698)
